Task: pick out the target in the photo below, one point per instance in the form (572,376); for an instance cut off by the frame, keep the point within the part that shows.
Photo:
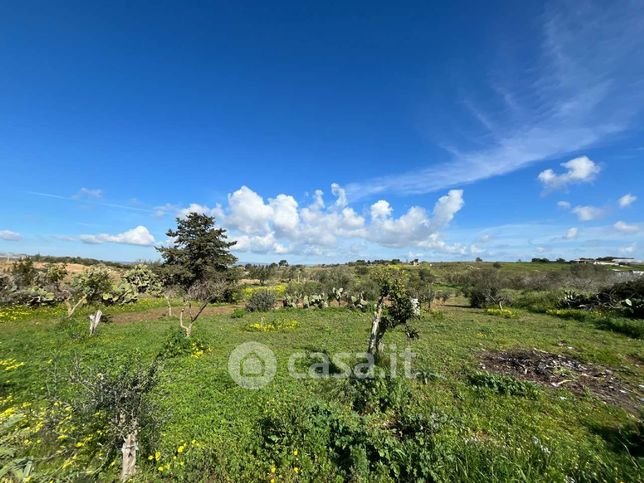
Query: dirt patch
(557,370)
(162,312)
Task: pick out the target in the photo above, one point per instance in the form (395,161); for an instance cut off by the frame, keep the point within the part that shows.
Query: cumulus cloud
(9,235)
(625,227)
(183,211)
(281,225)
(415,227)
(139,235)
(200,210)
(627,200)
(446,207)
(380,210)
(247,211)
(578,170)
(587,213)
(571,234)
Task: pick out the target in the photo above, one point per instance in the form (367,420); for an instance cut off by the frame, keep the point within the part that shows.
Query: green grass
(458,424)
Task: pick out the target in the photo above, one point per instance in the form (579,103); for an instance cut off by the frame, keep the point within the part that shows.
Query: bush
(176,344)
(93,283)
(482,287)
(143,280)
(261,301)
(629,294)
(538,302)
(24,272)
(238,313)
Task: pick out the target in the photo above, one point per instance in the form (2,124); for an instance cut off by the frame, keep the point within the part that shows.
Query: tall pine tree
(199,251)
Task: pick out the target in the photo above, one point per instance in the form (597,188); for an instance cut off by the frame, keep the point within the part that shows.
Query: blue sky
(321,132)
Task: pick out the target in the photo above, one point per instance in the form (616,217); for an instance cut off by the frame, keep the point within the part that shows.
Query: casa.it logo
(252,365)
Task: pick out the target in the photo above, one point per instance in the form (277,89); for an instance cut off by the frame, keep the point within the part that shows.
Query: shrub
(505,313)
(176,344)
(261,301)
(93,283)
(482,287)
(381,394)
(143,280)
(123,293)
(238,313)
(24,272)
(538,302)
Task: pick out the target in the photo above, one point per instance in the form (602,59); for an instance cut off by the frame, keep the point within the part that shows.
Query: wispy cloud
(76,199)
(89,193)
(586,86)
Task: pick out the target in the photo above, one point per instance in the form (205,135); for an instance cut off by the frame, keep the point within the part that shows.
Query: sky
(321,132)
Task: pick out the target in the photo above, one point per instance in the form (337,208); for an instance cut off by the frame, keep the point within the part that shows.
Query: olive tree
(394,308)
(119,393)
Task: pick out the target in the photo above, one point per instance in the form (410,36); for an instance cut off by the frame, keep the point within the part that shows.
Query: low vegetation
(519,372)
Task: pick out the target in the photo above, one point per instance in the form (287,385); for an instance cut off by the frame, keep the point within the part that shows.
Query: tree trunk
(187,328)
(93,321)
(167,299)
(375,345)
(129,449)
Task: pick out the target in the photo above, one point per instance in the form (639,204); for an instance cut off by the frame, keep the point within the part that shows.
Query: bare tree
(72,308)
(202,293)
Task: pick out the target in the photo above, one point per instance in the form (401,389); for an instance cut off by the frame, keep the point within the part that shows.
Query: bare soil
(557,370)
(162,312)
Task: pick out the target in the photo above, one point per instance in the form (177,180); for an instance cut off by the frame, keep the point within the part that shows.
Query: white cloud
(200,210)
(380,210)
(416,227)
(9,235)
(281,225)
(587,213)
(571,234)
(182,212)
(139,235)
(485,238)
(341,195)
(446,207)
(318,200)
(564,204)
(285,215)
(628,250)
(625,227)
(572,99)
(89,193)
(627,200)
(578,170)
(247,211)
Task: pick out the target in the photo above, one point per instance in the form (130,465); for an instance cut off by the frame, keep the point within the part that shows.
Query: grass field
(470,424)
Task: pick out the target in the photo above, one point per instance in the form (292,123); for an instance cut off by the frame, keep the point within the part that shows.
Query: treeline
(77,260)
